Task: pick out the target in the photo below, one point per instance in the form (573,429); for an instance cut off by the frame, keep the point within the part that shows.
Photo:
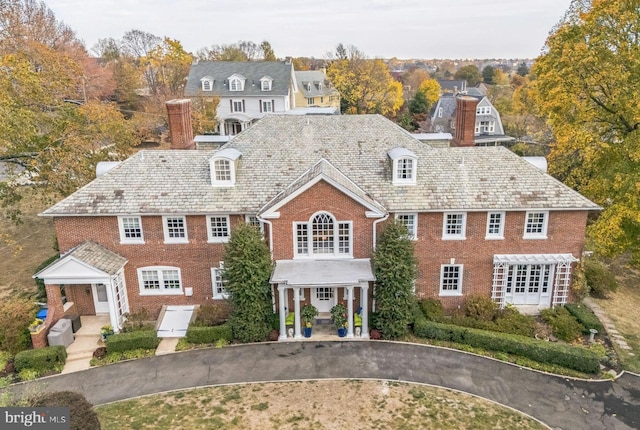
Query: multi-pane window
(483,110)
(159,280)
(485,127)
(324,293)
(130,229)
(454,226)
(237,106)
(495,225)
(311,100)
(404,170)
(219,284)
(266,85)
(175,229)
(218,228)
(322,235)
(536,225)
(222,170)
(411,222)
(236,84)
(207,85)
(529,278)
(451,279)
(267,106)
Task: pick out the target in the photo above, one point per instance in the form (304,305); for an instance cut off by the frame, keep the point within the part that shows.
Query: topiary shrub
(600,279)
(585,316)
(563,324)
(481,307)
(41,360)
(132,340)
(209,334)
(211,315)
(81,413)
(432,309)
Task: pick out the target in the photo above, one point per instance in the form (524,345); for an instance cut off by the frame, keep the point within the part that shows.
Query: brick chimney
(465,121)
(179,111)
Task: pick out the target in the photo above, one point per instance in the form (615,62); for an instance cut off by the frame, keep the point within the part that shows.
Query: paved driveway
(559,402)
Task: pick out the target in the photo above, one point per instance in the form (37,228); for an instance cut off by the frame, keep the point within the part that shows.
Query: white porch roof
(534,258)
(322,272)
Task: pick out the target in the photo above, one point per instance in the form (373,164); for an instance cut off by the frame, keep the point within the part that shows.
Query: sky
(421,29)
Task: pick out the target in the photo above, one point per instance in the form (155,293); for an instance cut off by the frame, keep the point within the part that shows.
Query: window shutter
(273,105)
(243,110)
(231,105)
(260,103)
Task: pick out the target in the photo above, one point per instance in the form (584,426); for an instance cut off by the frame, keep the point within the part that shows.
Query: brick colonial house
(151,231)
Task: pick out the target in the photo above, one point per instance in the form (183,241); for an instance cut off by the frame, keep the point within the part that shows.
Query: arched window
(323,236)
(223,167)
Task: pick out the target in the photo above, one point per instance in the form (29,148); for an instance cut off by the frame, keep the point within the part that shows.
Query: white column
(350,310)
(296,307)
(111,302)
(364,298)
(282,312)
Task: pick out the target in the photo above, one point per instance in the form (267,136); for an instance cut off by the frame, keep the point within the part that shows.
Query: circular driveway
(559,402)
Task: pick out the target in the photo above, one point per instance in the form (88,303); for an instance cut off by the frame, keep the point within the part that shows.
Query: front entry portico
(324,283)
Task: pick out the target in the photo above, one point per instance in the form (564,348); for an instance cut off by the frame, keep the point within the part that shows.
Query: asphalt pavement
(559,402)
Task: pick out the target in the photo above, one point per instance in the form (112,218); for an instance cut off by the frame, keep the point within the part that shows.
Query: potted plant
(308,314)
(106,331)
(339,318)
(36,325)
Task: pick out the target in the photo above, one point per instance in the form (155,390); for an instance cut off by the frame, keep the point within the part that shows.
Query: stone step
(80,356)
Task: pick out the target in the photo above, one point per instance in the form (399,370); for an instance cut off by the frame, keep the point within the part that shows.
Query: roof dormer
(207,83)
(223,166)
(405,166)
(265,83)
(236,82)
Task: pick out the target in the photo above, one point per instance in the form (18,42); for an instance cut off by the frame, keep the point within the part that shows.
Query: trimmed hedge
(209,334)
(132,340)
(41,359)
(541,351)
(585,316)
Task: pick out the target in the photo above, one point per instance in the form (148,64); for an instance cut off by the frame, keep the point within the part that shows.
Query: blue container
(42,313)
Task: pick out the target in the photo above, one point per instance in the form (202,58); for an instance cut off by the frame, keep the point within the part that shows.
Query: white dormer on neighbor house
(316,91)
(247,91)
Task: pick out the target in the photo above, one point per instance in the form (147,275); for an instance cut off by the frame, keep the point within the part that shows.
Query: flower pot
(342,332)
(307,331)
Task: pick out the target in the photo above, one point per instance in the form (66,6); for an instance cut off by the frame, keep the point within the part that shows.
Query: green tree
(267,51)
(395,268)
(169,63)
(242,50)
(431,90)
(587,86)
(365,86)
(470,73)
(247,268)
(487,74)
(522,69)
(15,316)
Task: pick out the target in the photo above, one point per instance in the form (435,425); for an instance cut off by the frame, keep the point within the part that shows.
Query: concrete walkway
(608,325)
(557,401)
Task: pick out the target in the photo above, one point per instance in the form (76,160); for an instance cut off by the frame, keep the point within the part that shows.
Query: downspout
(273,289)
(375,225)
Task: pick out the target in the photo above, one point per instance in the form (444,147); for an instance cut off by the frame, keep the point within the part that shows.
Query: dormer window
(319,86)
(308,86)
(207,83)
(265,83)
(236,83)
(405,164)
(223,167)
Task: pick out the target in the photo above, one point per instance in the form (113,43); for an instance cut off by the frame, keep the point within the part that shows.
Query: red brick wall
(82,297)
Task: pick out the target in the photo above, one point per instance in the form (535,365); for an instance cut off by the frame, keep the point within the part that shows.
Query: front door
(100,301)
(323,298)
(531,284)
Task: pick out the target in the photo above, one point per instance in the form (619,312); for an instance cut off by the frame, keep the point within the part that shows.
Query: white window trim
(232,171)
(412,234)
(500,234)
(127,240)
(162,291)
(336,237)
(414,170)
(233,106)
(450,293)
(265,84)
(212,239)
(461,236)
(205,82)
(266,103)
(542,235)
(216,295)
(165,227)
(247,220)
(239,87)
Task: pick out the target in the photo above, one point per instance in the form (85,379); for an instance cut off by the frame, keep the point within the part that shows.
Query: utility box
(61,333)
(75,322)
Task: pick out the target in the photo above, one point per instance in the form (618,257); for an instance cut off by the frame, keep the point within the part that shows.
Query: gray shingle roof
(97,256)
(253,71)
(314,77)
(279,149)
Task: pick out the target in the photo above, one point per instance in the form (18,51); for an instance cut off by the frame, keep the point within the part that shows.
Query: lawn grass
(24,246)
(622,308)
(313,405)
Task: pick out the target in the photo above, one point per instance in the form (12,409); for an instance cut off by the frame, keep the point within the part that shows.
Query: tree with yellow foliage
(365,85)
(587,86)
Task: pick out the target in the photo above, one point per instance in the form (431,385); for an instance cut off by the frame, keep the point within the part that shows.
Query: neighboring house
(247,91)
(151,231)
(315,90)
(449,87)
(488,129)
